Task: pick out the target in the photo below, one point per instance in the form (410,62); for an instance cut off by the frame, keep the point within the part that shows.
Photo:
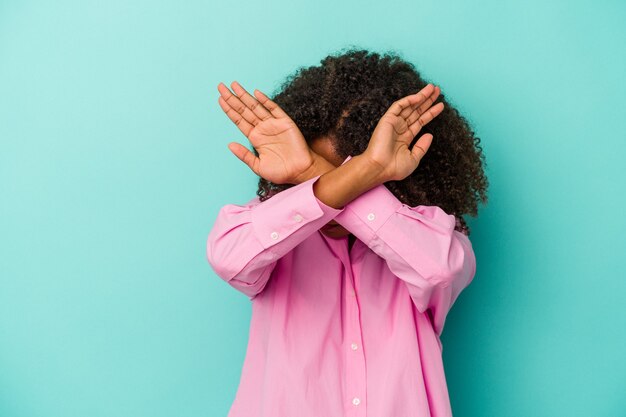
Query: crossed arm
(419,244)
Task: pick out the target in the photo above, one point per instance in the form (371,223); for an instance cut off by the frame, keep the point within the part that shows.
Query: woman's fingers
(234,109)
(417,113)
(413,114)
(410,101)
(235,116)
(270,105)
(245,156)
(421,146)
(431,99)
(245,109)
(420,106)
(252,103)
(423,119)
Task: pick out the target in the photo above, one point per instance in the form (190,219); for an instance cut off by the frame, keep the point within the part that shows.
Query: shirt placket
(355,356)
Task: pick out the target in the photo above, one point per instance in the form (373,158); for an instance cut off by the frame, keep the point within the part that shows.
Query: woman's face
(323,147)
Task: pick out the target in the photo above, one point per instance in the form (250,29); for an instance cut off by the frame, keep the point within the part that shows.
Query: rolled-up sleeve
(419,244)
(246,240)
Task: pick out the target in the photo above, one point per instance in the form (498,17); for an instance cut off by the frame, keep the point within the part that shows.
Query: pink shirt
(337,332)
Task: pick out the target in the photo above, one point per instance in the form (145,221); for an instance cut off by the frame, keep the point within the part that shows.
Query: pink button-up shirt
(338,331)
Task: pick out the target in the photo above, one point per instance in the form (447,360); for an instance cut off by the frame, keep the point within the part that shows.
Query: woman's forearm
(338,186)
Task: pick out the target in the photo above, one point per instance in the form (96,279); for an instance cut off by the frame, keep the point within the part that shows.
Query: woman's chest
(331,272)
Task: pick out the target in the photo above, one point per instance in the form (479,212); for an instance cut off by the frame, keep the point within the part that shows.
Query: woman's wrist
(319,166)
(347,181)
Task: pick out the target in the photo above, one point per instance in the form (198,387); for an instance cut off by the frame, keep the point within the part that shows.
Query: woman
(352,257)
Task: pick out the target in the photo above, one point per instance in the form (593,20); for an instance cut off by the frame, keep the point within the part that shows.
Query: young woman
(351,255)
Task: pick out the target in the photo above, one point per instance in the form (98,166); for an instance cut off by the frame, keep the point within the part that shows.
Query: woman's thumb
(243,154)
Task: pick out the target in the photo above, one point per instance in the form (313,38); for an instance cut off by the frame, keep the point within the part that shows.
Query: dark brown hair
(345,96)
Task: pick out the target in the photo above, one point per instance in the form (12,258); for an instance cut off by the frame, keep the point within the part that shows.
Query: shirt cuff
(365,214)
(284,213)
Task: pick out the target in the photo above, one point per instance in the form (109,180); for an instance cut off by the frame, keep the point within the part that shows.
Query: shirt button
(297,218)
(371,216)
(356,401)
(354,346)
(274,235)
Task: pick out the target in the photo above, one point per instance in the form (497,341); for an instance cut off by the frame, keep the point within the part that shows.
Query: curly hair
(344,98)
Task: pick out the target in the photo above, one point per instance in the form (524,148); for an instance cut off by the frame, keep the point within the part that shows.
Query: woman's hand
(388,147)
(284,155)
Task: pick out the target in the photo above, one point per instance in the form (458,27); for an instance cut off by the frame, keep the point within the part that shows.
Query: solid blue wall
(114,164)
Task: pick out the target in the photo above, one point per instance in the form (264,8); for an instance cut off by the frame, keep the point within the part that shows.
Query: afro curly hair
(344,98)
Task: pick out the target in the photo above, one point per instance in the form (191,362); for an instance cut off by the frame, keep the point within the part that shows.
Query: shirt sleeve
(419,244)
(247,240)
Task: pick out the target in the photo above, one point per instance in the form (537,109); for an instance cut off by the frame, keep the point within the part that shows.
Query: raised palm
(283,152)
(389,145)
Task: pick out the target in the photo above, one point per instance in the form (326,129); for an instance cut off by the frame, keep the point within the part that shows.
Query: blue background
(114,164)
